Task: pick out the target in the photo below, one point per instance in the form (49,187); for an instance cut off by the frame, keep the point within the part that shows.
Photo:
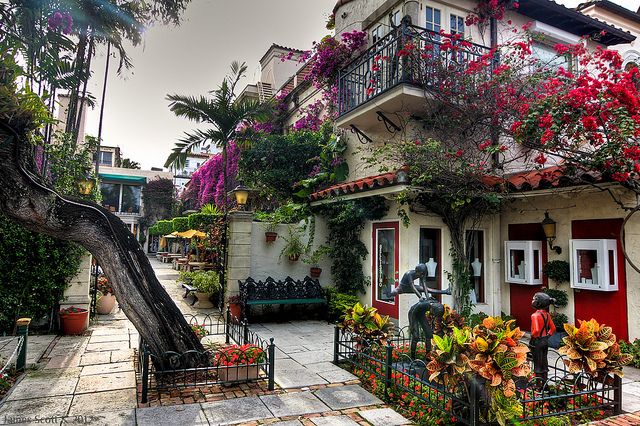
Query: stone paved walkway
(91,380)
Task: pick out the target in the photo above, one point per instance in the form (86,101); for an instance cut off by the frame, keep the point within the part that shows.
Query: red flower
(540,159)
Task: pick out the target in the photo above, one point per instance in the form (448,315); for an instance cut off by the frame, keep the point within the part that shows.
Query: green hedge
(180,224)
(34,271)
(164,227)
(153,230)
(201,220)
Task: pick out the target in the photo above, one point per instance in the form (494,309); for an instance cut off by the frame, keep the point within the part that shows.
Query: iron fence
(217,365)
(408,54)
(563,393)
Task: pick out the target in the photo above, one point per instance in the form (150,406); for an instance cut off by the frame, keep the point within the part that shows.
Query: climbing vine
(346,221)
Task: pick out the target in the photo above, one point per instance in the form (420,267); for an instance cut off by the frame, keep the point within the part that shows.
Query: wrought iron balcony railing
(408,54)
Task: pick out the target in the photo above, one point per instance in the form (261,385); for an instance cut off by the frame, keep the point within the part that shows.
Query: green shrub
(206,281)
(200,221)
(559,320)
(339,303)
(164,227)
(557,270)
(180,224)
(153,230)
(560,295)
(633,349)
(34,271)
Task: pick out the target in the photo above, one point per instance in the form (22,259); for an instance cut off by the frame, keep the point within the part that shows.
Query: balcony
(388,78)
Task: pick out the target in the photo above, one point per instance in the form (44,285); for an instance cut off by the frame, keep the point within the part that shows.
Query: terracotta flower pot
(74,322)
(294,257)
(315,272)
(203,300)
(106,304)
(236,310)
(271,236)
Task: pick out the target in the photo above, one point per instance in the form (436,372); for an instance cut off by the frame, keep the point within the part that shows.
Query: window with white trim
(434,19)
(456,24)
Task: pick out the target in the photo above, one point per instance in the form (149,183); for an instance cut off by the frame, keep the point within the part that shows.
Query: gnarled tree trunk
(27,201)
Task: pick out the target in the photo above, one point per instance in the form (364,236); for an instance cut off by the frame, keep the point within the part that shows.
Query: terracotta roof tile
(550,177)
(352,187)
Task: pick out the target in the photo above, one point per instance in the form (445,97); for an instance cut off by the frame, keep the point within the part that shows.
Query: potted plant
(106,301)
(314,259)
(235,306)
(73,320)
(199,330)
(207,284)
(239,362)
(270,231)
(293,247)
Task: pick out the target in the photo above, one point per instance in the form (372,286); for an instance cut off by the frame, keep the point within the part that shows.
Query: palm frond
(184,146)
(199,109)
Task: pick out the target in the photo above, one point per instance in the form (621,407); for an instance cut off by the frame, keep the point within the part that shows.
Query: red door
(608,307)
(386,256)
(520,295)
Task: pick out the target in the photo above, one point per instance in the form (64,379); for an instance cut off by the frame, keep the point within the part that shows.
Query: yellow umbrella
(191,233)
(163,242)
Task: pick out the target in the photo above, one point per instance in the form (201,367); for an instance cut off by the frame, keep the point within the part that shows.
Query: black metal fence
(408,54)
(254,359)
(564,393)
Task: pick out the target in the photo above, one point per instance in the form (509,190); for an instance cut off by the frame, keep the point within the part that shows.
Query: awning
(110,177)
(191,233)
(174,234)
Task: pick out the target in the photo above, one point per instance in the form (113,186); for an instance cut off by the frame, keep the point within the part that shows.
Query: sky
(193,58)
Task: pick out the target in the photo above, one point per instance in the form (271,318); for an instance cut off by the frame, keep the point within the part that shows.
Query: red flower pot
(74,322)
(271,236)
(315,272)
(236,310)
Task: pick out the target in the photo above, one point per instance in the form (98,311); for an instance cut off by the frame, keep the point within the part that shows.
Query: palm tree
(222,112)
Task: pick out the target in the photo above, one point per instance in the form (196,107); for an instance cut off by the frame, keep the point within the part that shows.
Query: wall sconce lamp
(241,194)
(549,228)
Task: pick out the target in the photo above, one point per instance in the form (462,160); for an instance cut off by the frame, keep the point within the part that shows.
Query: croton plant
(592,348)
(367,323)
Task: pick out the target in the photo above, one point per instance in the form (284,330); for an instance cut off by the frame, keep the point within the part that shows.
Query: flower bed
(233,355)
(387,370)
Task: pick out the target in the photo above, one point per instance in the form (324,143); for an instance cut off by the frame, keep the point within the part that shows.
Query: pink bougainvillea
(207,183)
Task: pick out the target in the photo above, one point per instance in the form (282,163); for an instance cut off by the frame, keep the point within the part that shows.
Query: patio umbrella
(191,233)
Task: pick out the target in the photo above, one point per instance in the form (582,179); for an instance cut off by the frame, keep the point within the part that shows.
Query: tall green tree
(27,198)
(221,111)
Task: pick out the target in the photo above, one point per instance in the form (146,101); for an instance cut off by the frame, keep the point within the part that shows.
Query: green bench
(286,292)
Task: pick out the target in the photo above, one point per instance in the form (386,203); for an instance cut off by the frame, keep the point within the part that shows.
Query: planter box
(236,373)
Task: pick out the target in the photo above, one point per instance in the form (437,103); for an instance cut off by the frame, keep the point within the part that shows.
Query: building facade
(509,248)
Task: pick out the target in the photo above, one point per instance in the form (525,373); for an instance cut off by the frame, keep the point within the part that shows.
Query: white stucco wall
(409,239)
(565,207)
(265,261)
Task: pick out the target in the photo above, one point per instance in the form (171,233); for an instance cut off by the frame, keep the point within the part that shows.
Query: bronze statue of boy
(418,312)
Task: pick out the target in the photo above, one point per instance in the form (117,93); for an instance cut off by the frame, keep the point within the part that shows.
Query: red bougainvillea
(207,183)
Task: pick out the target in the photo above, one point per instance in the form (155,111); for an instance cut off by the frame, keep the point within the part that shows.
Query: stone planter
(105,304)
(74,322)
(203,300)
(236,373)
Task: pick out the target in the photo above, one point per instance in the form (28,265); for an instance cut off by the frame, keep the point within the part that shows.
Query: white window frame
(529,248)
(602,270)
